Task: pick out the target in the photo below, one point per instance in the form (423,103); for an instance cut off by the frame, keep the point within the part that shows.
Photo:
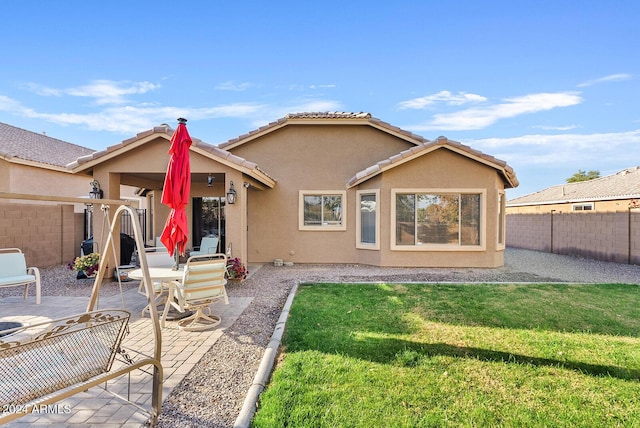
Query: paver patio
(181,350)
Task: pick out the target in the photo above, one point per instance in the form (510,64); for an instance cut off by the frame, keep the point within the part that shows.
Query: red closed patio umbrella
(176,190)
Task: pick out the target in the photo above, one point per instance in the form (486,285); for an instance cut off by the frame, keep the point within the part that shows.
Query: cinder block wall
(530,231)
(45,233)
(612,236)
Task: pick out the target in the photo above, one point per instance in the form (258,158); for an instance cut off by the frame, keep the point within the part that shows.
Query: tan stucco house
(612,193)
(326,188)
(35,164)
(42,202)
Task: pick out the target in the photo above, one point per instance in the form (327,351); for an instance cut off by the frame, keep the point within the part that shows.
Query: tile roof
(324,118)
(33,147)
(81,160)
(623,184)
(166,131)
(329,115)
(428,146)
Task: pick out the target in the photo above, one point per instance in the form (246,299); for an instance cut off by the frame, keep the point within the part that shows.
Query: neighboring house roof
(624,184)
(26,147)
(165,131)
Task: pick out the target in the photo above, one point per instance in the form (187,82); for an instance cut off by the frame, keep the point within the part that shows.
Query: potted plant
(86,266)
(236,270)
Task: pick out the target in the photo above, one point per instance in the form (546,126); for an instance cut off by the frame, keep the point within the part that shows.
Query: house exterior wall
(444,169)
(325,157)
(49,233)
(611,236)
(307,157)
(17,178)
(44,233)
(5,182)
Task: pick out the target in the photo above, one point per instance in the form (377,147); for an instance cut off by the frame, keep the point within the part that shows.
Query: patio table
(165,276)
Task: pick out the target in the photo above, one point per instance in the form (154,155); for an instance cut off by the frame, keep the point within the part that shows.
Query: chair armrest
(36,272)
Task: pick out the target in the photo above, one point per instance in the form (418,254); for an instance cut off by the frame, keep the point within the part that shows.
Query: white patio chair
(157,257)
(203,283)
(159,245)
(208,245)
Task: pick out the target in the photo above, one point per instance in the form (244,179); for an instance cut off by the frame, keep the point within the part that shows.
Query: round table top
(158,273)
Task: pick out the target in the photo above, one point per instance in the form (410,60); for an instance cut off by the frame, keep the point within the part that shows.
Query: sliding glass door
(209,220)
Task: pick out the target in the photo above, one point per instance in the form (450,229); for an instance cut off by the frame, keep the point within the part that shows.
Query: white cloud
(610,78)
(560,149)
(556,128)
(103,91)
(441,97)
(131,119)
(12,106)
(321,86)
(232,86)
(481,117)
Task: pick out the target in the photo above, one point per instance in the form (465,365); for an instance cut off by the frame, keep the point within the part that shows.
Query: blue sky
(551,87)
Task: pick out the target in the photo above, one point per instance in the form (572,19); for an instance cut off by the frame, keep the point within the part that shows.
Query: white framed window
(438,219)
(501,220)
(588,206)
(322,210)
(367,219)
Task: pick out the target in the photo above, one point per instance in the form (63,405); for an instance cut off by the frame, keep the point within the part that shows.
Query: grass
(476,355)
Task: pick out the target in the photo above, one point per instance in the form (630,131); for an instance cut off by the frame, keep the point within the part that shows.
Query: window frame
(501,225)
(583,205)
(440,247)
(322,227)
(359,243)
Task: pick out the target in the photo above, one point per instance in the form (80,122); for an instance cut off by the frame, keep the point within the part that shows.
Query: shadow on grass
(407,353)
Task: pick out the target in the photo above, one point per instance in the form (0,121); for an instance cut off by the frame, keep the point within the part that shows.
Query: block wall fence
(609,236)
(48,235)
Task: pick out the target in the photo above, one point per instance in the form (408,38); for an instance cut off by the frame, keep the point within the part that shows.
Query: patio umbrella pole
(176,259)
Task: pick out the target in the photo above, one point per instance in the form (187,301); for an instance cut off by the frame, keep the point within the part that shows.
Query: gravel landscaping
(212,394)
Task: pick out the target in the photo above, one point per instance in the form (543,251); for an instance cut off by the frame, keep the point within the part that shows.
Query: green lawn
(482,355)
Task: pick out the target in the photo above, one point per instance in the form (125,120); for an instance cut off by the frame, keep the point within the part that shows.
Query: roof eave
(510,179)
(35,164)
(574,200)
(90,161)
(234,162)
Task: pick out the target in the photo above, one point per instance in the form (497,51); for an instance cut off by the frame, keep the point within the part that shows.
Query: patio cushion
(17,279)
(12,264)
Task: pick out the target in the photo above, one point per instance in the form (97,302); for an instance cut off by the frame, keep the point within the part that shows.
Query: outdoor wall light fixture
(231,194)
(96,192)
(210,180)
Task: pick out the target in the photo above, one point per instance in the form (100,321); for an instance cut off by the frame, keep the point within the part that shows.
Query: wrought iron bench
(43,363)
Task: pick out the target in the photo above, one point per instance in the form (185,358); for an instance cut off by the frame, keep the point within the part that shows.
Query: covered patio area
(221,184)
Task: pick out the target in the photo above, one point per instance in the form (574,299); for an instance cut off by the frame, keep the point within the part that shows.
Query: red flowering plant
(236,269)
